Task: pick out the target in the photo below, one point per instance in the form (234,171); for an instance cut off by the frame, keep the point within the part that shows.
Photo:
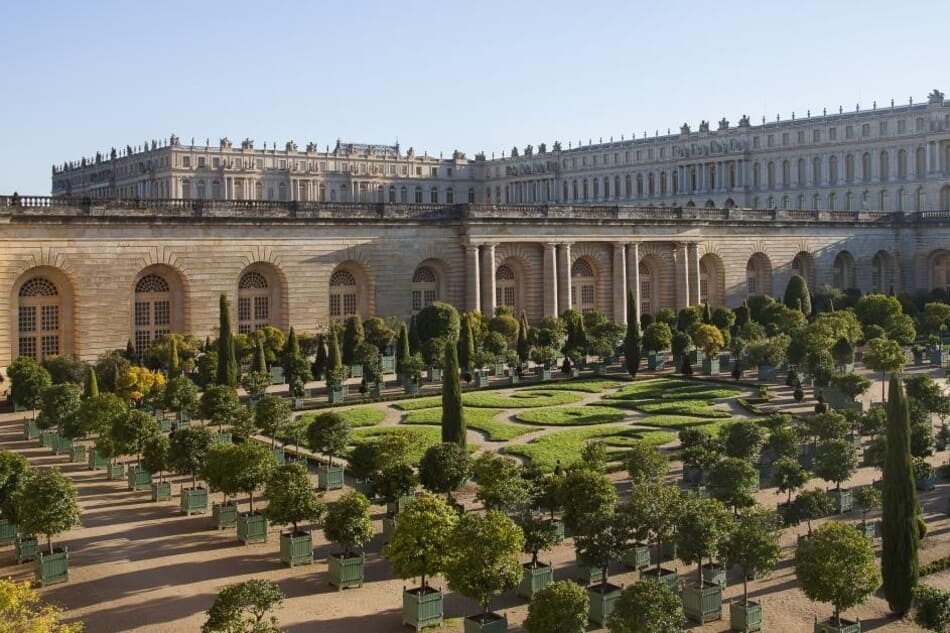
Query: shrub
(244,606)
(561,607)
(932,608)
(647,607)
(348,523)
(445,468)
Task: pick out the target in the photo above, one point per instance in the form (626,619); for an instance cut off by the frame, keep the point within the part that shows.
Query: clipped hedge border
(936,566)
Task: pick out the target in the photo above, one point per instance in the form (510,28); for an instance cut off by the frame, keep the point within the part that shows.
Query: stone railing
(53,207)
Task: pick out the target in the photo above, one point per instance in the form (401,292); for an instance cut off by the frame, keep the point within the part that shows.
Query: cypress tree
(174,362)
(899,536)
(524,348)
(259,363)
(631,342)
(414,342)
(466,344)
(453,416)
(796,295)
(743,314)
(227,362)
(320,362)
(353,337)
(296,369)
(334,362)
(130,351)
(707,314)
(92,384)
(402,349)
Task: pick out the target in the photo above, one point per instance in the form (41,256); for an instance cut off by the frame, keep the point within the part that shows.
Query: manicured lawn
(357,416)
(673,421)
(590,385)
(422,437)
(698,408)
(571,416)
(566,446)
(493,400)
(475,418)
(667,389)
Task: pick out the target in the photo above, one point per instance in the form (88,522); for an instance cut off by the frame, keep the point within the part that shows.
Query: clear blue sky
(78,77)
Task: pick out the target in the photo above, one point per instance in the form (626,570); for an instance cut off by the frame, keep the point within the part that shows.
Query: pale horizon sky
(83,77)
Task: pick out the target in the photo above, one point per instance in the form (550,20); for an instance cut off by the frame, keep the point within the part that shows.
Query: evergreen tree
(353,337)
(174,362)
(631,342)
(259,363)
(466,344)
(296,368)
(707,314)
(92,385)
(453,416)
(334,362)
(320,362)
(227,362)
(899,534)
(129,351)
(414,342)
(402,349)
(797,296)
(524,347)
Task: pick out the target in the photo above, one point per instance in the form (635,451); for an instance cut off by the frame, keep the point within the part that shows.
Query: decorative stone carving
(704,126)
(723,124)
(225,143)
(684,129)
(744,121)
(935,97)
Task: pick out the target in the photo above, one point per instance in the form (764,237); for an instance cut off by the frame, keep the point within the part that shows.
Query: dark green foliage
(445,468)
(932,608)
(453,414)
(646,463)
(334,372)
(586,493)
(702,531)
(227,373)
(296,367)
(29,380)
(329,433)
(538,535)
(438,320)
(734,482)
(466,349)
(14,469)
(244,606)
(754,545)
(561,607)
(348,523)
(606,536)
(353,337)
(290,496)
(46,504)
(65,368)
(647,607)
(187,451)
(155,454)
(810,505)
(797,296)
(402,350)
(631,342)
(900,540)
(259,361)
(60,402)
(743,439)
(836,460)
(524,347)
(788,476)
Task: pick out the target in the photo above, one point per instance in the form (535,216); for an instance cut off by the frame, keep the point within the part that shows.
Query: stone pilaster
(472,278)
(550,291)
(564,277)
(682,276)
(620,283)
(488,279)
(633,273)
(693,250)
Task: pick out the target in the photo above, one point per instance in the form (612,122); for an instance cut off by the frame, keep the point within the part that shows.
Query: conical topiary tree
(227,373)
(797,296)
(402,350)
(296,367)
(353,337)
(466,347)
(524,343)
(174,361)
(92,385)
(320,360)
(631,342)
(334,374)
(453,414)
(259,361)
(899,535)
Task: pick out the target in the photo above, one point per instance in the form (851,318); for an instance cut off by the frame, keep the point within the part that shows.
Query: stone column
(620,283)
(693,249)
(682,276)
(564,277)
(633,273)
(550,294)
(488,280)
(472,289)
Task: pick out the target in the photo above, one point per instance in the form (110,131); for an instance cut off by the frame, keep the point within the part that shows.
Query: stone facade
(893,158)
(85,277)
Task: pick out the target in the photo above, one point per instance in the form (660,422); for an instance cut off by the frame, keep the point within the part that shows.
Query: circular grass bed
(482,420)
(571,416)
(520,399)
(357,416)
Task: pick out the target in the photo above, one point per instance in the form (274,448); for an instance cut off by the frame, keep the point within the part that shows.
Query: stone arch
(759,274)
(845,271)
(712,280)
(654,272)
(44,322)
(262,297)
(882,272)
(729,204)
(511,276)
(350,290)
(429,283)
(804,264)
(584,276)
(938,268)
(158,304)
(710,204)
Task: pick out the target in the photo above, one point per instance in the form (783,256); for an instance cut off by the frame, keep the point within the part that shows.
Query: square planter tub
(25,549)
(846,626)
(161,491)
(745,617)
(702,604)
(7,532)
(296,548)
(96,461)
(224,515)
(30,430)
(346,571)
(535,579)
(602,600)
(637,557)
(194,501)
(115,472)
(586,573)
(330,477)
(494,623)
(668,577)
(139,478)
(714,573)
(843,500)
(422,608)
(78,454)
(51,568)
(252,528)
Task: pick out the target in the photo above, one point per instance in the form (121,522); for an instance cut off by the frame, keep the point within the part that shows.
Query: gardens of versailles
(137,566)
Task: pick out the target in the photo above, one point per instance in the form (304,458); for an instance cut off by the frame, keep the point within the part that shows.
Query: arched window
(786,173)
(804,265)
(756,178)
(403,195)
(425,288)
(832,201)
(282,191)
(582,286)
(153,310)
(801,202)
(816,172)
(759,275)
(920,163)
(849,168)
(849,201)
(941,272)
(704,277)
(434,195)
(343,295)
(770,175)
(505,287)
(833,170)
(471,195)
(885,200)
(39,324)
(392,193)
(253,302)
(450,196)
(902,164)
(418,197)
(186,189)
(919,198)
(215,189)
(201,190)
(885,167)
(881,276)
(844,274)
(639,185)
(648,289)
(866,167)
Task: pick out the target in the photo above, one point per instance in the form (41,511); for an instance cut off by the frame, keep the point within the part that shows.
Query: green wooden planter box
(388,363)
(139,478)
(30,430)
(356,371)
(702,604)
(410,388)
(7,532)
(637,557)
(493,624)
(78,453)
(376,389)
(924,484)
(252,528)
(161,491)
(557,526)
(165,426)
(337,394)
(25,549)
(296,404)
(600,369)
(667,550)
(745,617)
(400,504)
(843,500)
(535,579)
(586,573)
(422,609)
(389,528)
(296,548)
(330,477)
(481,380)
(346,572)
(224,515)
(46,438)
(868,529)
(96,462)
(602,601)
(365,487)
(766,373)
(194,501)
(846,626)
(514,379)
(434,374)
(115,472)
(710,366)
(654,361)
(276,375)
(279,456)
(224,437)
(51,568)
(668,577)
(696,356)
(544,374)
(714,573)
(61,445)
(498,369)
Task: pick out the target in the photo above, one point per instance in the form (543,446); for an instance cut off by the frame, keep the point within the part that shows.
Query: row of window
(237,162)
(305,191)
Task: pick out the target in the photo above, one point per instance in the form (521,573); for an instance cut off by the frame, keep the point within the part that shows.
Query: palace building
(141,242)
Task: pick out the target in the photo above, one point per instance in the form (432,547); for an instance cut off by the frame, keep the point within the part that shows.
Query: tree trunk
(250,498)
(534,559)
(423,583)
(49,543)
(745,588)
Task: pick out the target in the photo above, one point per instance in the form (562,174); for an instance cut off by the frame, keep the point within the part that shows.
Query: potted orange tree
(291,500)
(349,525)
